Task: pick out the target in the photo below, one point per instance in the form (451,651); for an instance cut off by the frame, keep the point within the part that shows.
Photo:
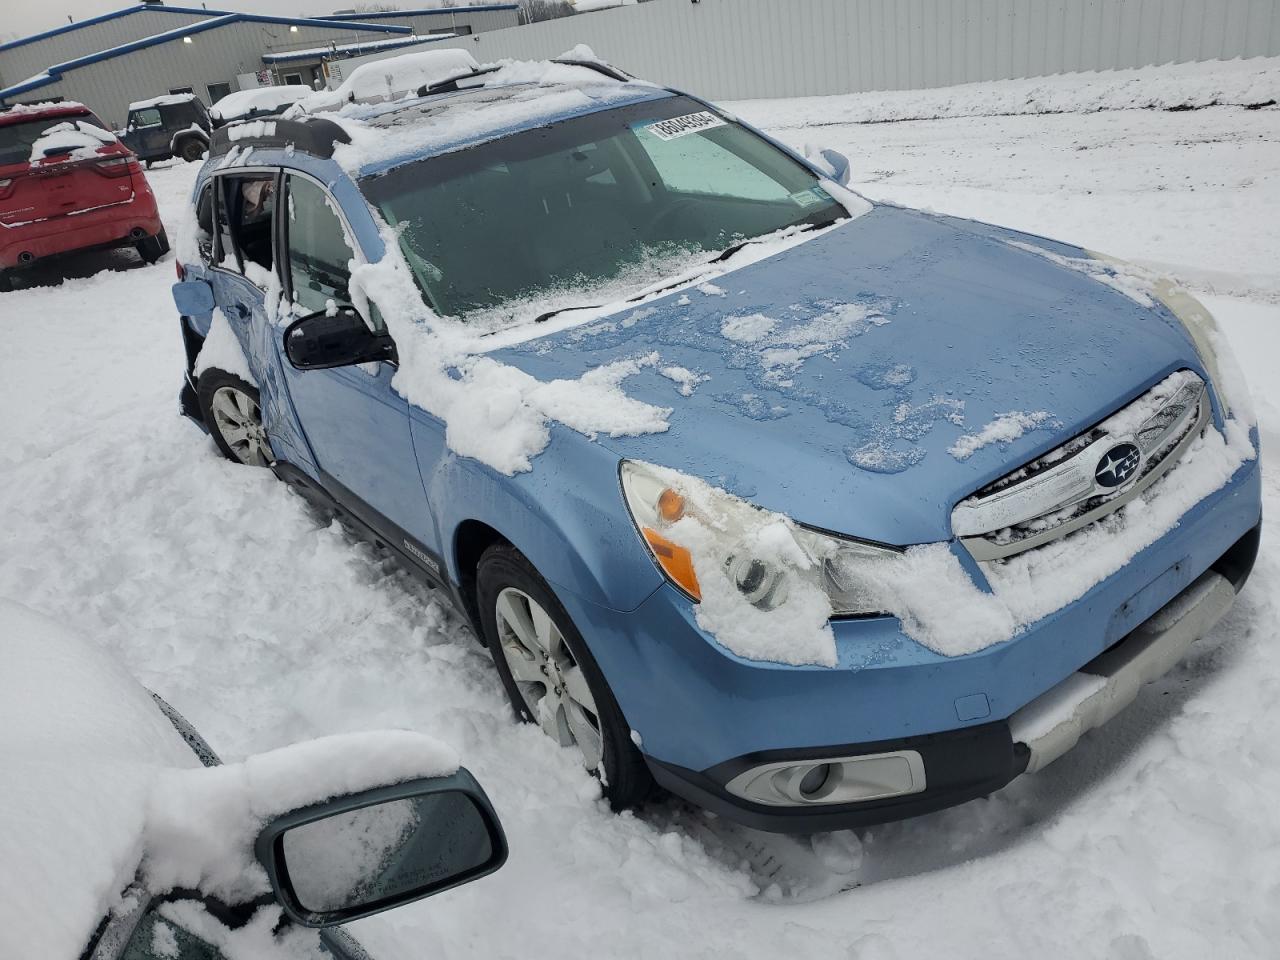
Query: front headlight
(1211,345)
(716,547)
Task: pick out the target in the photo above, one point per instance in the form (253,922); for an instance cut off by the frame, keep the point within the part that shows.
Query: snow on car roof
(82,742)
(257,98)
(24,111)
(168,99)
(518,96)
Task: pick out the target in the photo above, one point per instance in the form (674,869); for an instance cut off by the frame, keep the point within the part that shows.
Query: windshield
(590,209)
(16,138)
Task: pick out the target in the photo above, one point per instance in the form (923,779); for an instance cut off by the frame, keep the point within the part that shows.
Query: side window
(245,207)
(319,249)
(142,119)
(204,223)
(155,938)
(696,163)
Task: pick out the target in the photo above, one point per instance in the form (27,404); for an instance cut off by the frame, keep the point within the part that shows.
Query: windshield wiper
(725,254)
(722,256)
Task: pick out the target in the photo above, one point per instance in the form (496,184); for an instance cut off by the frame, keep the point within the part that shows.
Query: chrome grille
(1076,483)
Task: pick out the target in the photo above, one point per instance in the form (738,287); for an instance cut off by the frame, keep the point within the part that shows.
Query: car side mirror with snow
(831,163)
(366,852)
(338,337)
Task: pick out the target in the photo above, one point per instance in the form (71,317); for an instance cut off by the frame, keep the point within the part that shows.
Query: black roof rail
(454,84)
(314,135)
(451,85)
(599,66)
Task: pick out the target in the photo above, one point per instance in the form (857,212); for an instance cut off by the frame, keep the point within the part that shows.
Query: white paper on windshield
(680,126)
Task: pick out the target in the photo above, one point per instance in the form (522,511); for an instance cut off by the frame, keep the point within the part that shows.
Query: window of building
(462,30)
(319,249)
(293,79)
(244,209)
(176,90)
(218,90)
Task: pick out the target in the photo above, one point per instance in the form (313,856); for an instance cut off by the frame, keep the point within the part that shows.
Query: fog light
(799,783)
(815,779)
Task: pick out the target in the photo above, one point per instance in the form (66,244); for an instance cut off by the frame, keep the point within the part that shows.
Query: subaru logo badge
(1117,465)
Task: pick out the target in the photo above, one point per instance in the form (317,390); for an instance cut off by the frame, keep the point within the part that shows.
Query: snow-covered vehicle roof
(168,99)
(256,101)
(82,742)
(106,800)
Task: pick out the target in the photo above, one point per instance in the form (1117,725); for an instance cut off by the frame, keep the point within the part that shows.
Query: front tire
(550,676)
(230,408)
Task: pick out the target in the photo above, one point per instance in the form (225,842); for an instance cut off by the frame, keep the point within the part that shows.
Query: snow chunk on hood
(1005,428)
(493,412)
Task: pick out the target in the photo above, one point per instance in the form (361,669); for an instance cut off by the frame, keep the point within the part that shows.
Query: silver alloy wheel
(548,677)
(237,418)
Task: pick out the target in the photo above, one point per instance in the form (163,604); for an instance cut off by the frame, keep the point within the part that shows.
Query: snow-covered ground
(1157,837)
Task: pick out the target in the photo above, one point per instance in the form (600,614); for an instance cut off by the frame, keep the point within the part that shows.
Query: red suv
(66,184)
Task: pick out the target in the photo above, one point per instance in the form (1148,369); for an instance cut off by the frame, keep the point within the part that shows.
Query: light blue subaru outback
(812,511)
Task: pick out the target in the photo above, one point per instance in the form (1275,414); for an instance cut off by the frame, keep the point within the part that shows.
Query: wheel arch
(565,515)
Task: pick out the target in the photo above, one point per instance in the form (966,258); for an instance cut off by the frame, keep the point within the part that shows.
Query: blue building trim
(106,17)
(433,11)
(54,73)
(355,49)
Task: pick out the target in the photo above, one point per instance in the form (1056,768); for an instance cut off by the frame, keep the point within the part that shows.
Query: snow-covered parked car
(123,836)
(173,125)
(818,512)
(256,102)
(68,185)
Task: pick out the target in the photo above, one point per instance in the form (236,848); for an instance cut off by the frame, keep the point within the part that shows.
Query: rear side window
(16,138)
(141,119)
(244,215)
(319,249)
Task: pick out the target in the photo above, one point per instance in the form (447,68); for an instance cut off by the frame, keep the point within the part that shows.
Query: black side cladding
(314,135)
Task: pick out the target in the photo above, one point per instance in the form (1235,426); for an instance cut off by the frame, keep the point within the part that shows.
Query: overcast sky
(24,17)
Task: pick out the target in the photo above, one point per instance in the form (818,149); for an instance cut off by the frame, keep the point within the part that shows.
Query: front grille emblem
(1117,465)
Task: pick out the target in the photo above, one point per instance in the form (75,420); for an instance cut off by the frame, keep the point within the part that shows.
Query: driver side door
(356,424)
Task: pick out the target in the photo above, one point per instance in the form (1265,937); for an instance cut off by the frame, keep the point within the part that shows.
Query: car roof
(82,741)
(39,111)
(422,127)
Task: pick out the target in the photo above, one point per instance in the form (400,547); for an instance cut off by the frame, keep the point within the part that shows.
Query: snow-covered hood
(82,743)
(869,379)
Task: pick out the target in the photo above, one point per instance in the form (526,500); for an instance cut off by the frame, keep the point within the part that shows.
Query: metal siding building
(20,59)
(739,49)
(140,52)
(473,19)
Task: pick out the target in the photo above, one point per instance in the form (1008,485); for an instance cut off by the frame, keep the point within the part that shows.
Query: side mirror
(340,339)
(193,298)
(832,163)
(367,852)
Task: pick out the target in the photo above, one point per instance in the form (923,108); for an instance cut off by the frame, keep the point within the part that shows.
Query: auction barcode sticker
(689,123)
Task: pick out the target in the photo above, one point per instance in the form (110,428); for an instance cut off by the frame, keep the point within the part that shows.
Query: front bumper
(964,764)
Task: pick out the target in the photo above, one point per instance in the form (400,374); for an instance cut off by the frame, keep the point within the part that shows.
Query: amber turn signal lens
(670,505)
(675,560)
